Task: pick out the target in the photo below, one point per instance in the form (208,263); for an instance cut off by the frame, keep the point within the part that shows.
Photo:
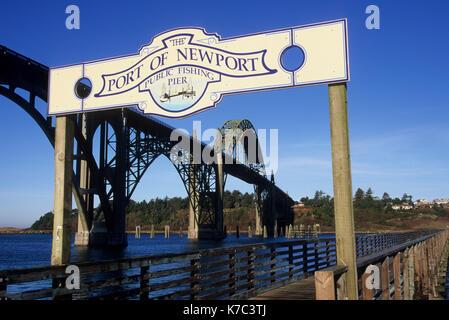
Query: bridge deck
(301,290)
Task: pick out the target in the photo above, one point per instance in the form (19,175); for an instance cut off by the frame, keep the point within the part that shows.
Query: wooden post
(385,279)
(397,276)
(251,259)
(272,265)
(250,233)
(64,134)
(194,282)
(425,269)
(167,231)
(290,260)
(3,287)
(232,273)
(237,231)
(144,283)
(341,287)
(406,275)
(324,285)
(417,269)
(411,271)
(341,171)
(152,232)
(367,293)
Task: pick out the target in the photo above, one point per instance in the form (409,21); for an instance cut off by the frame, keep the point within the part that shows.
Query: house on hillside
(402,206)
(443,202)
(421,203)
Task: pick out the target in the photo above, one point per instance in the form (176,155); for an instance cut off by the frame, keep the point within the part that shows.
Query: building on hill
(421,203)
(402,206)
(443,202)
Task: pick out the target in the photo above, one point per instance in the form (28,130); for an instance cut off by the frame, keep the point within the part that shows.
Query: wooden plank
(367,293)
(405,272)
(385,279)
(324,285)
(302,290)
(397,277)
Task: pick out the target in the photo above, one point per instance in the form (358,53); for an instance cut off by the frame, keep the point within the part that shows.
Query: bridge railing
(407,268)
(224,273)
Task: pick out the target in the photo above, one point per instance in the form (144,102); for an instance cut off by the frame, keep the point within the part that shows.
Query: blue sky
(398,102)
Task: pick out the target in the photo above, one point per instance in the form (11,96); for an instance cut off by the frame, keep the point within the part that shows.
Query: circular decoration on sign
(292,58)
(83,88)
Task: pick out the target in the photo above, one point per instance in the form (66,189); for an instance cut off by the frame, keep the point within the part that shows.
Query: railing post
(342,292)
(58,282)
(305,258)
(411,271)
(144,281)
(328,244)
(367,293)
(272,265)
(397,276)
(406,275)
(385,278)
(324,285)
(315,251)
(251,258)
(418,279)
(290,260)
(425,270)
(194,276)
(3,286)
(232,273)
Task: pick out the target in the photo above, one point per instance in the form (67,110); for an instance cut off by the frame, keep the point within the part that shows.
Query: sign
(187,70)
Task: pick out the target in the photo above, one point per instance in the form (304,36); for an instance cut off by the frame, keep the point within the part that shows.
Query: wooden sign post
(64,134)
(341,171)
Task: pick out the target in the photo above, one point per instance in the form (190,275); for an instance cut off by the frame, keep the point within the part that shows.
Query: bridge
(129,144)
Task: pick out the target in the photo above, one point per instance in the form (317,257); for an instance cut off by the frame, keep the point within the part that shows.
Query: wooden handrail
(232,273)
(414,264)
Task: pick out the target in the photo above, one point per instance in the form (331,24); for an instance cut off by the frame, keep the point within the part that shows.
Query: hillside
(370,213)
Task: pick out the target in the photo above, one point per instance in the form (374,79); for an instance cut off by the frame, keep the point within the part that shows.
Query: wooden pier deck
(301,290)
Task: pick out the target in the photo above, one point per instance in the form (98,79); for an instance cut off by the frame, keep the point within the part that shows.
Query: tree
(386,198)
(358,197)
(406,198)
(369,194)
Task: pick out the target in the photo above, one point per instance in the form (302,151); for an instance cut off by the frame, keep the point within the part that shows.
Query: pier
(296,269)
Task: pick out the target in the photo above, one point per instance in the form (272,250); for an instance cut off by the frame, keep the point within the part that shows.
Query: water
(29,250)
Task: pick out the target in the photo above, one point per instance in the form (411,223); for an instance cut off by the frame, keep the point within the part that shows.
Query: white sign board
(187,70)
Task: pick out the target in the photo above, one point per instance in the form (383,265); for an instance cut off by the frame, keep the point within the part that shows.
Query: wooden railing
(224,273)
(407,268)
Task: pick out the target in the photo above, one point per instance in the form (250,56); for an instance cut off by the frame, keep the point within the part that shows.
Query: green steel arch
(233,133)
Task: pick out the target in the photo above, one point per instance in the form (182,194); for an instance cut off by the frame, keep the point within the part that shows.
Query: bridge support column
(259,227)
(193,198)
(219,186)
(118,235)
(341,171)
(64,135)
(84,217)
